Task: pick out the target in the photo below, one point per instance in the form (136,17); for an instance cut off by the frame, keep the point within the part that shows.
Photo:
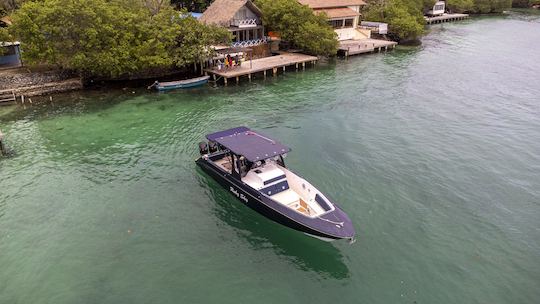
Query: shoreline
(40,81)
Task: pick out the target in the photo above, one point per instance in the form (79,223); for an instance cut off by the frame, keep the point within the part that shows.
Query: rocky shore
(28,83)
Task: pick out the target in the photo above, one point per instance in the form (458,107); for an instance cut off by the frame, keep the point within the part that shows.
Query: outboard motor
(203,148)
(212,146)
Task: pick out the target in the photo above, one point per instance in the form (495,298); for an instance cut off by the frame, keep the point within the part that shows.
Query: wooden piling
(3,150)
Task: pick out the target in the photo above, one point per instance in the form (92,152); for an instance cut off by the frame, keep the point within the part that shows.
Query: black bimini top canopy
(248,143)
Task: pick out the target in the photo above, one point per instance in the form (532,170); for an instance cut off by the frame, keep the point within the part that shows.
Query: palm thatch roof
(221,12)
(6,20)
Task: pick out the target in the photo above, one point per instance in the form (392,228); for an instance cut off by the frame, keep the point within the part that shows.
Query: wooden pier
(7,97)
(274,64)
(445,18)
(362,46)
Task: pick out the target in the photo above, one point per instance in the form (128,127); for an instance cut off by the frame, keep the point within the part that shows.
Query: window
(349,22)
(336,23)
(8,51)
(242,13)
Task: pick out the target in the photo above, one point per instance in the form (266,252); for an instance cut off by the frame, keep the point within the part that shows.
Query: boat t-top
(251,166)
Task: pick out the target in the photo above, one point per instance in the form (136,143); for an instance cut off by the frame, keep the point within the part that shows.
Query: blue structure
(10,55)
(195,15)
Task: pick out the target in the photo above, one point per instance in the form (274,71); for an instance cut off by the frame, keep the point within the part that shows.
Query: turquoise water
(434,152)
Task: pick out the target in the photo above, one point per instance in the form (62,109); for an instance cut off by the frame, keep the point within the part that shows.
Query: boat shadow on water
(304,252)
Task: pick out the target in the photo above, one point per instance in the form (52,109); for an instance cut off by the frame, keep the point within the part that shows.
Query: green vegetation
(111,38)
(479,6)
(459,6)
(192,5)
(521,3)
(490,6)
(297,24)
(405,18)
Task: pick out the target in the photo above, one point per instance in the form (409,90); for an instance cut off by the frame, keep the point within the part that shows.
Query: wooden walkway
(445,18)
(368,45)
(7,97)
(262,65)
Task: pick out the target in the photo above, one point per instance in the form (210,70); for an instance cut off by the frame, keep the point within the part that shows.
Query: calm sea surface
(433,151)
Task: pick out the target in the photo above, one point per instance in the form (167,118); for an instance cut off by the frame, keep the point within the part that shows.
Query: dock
(362,46)
(445,18)
(275,63)
(7,97)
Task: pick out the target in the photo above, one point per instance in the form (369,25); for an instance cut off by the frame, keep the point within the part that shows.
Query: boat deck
(273,63)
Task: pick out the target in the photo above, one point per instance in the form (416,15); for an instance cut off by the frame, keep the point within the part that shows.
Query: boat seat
(286,197)
(304,208)
(227,165)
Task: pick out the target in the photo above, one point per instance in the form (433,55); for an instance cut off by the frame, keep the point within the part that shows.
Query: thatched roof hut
(221,12)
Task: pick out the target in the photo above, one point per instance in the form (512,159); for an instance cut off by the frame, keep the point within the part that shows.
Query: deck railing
(244,22)
(248,43)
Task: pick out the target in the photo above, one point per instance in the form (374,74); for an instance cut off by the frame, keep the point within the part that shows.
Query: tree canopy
(490,6)
(111,37)
(405,17)
(297,24)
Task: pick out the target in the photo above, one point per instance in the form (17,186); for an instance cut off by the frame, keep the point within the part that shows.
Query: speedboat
(251,167)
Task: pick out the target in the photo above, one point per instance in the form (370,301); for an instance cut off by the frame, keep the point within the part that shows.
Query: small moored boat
(181,84)
(251,166)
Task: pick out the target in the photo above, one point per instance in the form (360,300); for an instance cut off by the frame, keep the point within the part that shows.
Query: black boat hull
(274,211)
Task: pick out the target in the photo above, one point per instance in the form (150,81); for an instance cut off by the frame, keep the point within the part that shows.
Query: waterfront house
(343,16)
(241,17)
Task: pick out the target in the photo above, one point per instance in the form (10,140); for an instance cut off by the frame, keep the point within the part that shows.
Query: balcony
(244,23)
(250,43)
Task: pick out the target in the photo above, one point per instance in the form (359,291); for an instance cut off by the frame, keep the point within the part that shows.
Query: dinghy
(181,84)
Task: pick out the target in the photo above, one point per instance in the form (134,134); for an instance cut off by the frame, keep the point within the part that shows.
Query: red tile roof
(331,3)
(340,12)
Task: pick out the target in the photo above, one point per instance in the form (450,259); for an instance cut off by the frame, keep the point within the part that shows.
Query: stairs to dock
(7,97)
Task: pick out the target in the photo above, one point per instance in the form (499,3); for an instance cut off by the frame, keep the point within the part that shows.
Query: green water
(434,152)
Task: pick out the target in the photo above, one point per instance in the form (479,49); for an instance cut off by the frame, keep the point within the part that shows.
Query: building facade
(241,17)
(343,15)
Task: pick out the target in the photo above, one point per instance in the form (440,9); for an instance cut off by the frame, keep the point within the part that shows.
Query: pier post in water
(3,150)
(303,66)
(274,71)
